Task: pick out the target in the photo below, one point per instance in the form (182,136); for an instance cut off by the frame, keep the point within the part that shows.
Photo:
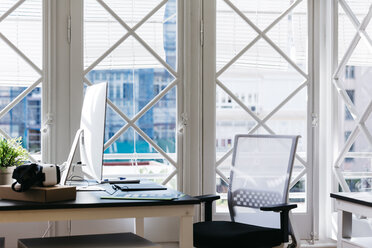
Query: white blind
(23,28)
(101,31)
(346,31)
(290,34)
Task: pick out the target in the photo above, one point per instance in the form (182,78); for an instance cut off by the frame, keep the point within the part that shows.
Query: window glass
(353,158)
(21,72)
(140,135)
(261,81)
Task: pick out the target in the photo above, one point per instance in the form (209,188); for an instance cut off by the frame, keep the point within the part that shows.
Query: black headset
(27,175)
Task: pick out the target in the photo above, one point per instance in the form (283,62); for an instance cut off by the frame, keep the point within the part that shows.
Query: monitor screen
(92,123)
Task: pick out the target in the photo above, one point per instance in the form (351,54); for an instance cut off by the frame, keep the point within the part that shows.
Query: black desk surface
(361,198)
(92,199)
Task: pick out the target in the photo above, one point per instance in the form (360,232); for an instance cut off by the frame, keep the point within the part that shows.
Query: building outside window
(21,73)
(147,61)
(352,76)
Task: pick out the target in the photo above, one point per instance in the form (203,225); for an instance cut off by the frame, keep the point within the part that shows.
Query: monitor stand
(68,164)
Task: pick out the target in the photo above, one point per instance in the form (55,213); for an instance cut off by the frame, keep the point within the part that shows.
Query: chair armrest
(208,200)
(284,216)
(279,207)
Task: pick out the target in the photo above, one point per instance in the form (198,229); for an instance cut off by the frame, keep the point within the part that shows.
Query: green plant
(12,153)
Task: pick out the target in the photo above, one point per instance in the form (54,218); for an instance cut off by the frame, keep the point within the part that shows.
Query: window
(21,73)
(352,76)
(262,52)
(136,39)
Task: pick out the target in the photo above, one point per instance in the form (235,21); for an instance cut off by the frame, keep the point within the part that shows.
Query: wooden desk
(88,206)
(359,203)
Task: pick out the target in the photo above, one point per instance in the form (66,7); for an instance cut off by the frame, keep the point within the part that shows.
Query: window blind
(290,34)
(346,31)
(23,28)
(101,31)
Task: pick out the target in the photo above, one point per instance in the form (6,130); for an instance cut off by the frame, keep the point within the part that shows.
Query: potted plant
(12,154)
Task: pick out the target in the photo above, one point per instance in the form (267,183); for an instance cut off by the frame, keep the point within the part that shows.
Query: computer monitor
(90,136)
(92,122)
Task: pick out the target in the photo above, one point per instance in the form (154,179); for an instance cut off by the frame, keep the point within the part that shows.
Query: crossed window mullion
(366,133)
(349,104)
(138,38)
(280,105)
(219,172)
(131,122)
(260,122)
(267,29)
(353,44)
(360,127)
(170,176)
(9,11)
(24,93)
(19,98)
(267,39)
(21,54)
(354,20)
(124,37)
(298,177)
(142,112)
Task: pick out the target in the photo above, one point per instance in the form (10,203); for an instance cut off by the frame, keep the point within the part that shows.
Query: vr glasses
(28,175)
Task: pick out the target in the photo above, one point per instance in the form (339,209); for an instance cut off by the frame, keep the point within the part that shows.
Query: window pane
(21,29)
(257,80)
(357,165)
(141,84)
(354,143)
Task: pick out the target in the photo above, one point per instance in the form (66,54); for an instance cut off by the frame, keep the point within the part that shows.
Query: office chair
(257,196)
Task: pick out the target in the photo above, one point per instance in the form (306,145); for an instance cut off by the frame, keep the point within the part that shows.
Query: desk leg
(344,226)
(140,226)
(186,232)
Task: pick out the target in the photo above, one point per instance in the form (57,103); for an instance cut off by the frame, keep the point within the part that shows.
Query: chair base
(112,240)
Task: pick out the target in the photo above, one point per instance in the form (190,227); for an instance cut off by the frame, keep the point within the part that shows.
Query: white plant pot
(6,176)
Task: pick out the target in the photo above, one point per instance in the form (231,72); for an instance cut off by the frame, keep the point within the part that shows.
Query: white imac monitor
(92,122)
(90,136)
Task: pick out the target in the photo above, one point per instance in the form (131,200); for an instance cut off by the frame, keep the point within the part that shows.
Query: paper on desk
(145,196)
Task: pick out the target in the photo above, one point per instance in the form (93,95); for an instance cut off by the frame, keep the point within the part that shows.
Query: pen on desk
(119,178)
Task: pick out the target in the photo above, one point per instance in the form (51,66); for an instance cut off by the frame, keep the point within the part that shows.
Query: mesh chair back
(260,176)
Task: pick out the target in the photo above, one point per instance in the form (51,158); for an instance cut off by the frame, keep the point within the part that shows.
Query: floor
(305,244)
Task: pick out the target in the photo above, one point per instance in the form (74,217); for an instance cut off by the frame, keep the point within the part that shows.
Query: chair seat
(234,234)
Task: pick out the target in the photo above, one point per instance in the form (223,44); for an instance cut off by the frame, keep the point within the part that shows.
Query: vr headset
(28,175)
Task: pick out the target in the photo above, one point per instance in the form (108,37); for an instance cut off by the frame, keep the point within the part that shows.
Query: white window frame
(331,157)
(77,75)
(66,96)
(209,118)
(43,82)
